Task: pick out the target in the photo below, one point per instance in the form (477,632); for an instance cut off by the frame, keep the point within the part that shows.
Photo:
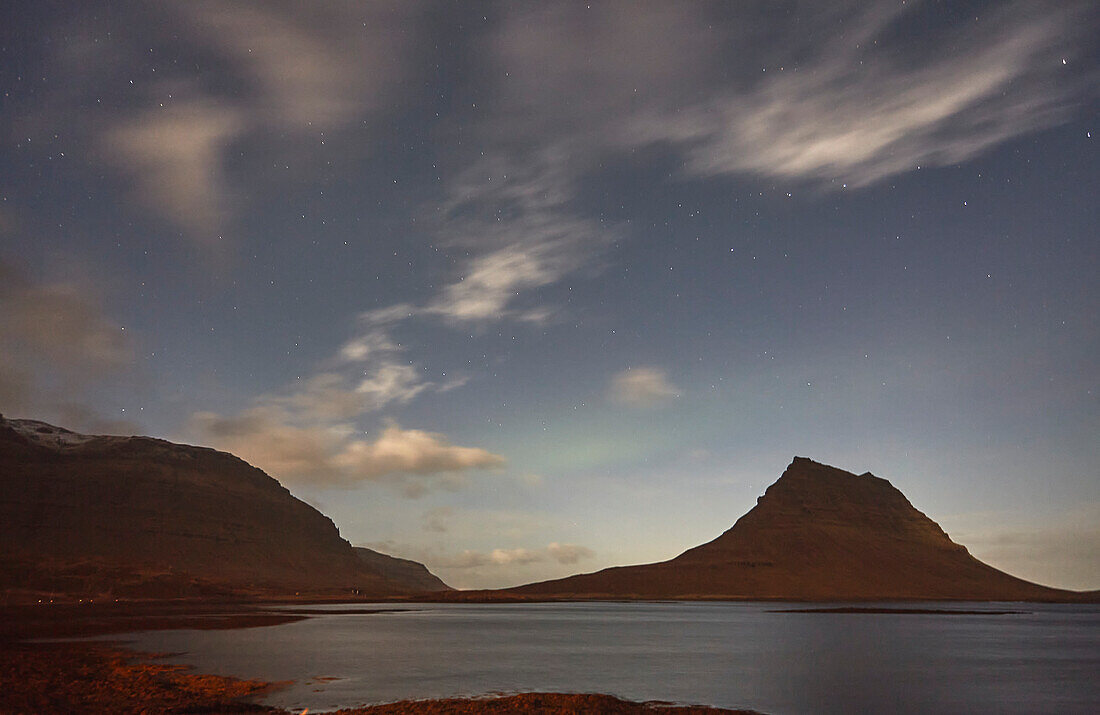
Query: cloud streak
(56,341)
(863,113)
(494,281)
(490,568)
(854,104)
(174,157)
(514,210)
(565,554)
(601,82)
(287,77)
(306,435)
(321,66)
(642,387)
(414,461)
(398,451)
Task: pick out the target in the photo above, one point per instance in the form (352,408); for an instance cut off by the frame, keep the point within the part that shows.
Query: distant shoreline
(103,675)
(64,676)
(900,611)
(101,618)
(106,677)
(284,602)
(63,619)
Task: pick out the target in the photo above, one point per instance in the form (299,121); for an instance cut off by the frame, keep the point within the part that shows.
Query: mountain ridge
(145,517)
(171,520)
(411,573)
(817,533)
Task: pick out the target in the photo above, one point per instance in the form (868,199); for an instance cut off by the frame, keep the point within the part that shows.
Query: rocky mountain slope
(412,575)
(135,516)
(818,533)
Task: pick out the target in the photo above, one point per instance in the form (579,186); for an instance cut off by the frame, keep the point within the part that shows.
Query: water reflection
(731,654)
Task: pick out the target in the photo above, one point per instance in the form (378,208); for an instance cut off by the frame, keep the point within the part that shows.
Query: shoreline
(87,619)
(103,676)
(79,668)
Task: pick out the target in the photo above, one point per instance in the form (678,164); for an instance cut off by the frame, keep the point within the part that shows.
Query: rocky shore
(103,676)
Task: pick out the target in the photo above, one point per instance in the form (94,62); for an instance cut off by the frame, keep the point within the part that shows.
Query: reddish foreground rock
(818,533)
(92,678)
(49,678)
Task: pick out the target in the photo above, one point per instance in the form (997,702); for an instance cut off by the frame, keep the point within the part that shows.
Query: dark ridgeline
(818,533)
(412,574)
(141,517)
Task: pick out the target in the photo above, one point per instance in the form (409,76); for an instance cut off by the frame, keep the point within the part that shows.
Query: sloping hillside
(818,533)
(138,516)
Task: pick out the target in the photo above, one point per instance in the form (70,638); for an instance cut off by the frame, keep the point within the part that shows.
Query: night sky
(526,289)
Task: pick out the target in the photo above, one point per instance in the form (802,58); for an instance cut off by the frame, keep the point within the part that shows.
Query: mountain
(412,575)
(135,516)
(818,533)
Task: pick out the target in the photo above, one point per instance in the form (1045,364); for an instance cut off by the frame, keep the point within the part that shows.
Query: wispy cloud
(642,387)
(288,77)
(399,451)
(514,210)
(174,157)
(492,282)
(577,71)
(851,105)
(268,437)
(368,374)
(569,86)
(55,341)
(62,323)
(489,567)
(437,520)
(307,434)
(391,382)
(854,113)
(319,66)
(840,109)
(513,213)
(412,460)
(566,554)
(326,396)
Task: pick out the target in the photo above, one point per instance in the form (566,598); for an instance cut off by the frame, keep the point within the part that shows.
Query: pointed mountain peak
(817,533)
(812,484)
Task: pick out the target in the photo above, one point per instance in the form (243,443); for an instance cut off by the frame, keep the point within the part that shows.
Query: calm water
(730,654)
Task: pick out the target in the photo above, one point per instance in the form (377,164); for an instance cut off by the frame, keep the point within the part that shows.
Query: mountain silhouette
(141,517)
(818,533)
